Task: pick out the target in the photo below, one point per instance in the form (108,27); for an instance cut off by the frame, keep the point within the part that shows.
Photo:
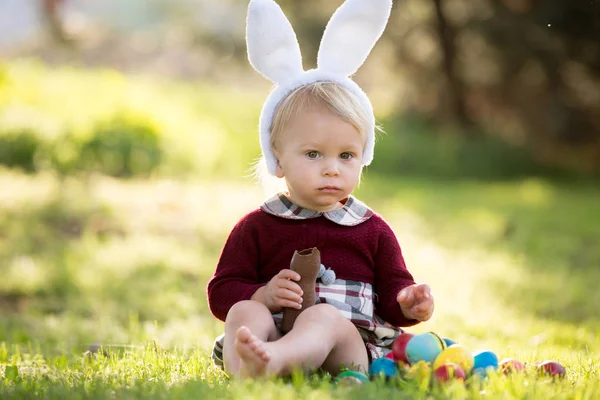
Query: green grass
(513,267)
(63,114)
(86,258)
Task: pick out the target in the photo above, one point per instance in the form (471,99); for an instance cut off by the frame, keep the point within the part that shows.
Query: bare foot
(254,358)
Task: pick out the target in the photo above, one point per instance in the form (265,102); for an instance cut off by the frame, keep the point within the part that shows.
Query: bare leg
(257,318)
(321,337)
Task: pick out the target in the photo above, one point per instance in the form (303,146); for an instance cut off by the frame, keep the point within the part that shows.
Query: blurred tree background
(127,129)
(519,78)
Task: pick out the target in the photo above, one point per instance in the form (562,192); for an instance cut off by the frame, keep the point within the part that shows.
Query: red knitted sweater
(261,244)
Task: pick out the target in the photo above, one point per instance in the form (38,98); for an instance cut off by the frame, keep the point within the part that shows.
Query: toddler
(317,133)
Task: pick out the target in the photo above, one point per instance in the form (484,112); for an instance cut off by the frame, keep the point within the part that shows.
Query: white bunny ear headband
(273,51)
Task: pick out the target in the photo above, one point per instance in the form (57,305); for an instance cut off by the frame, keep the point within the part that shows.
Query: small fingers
(286,302)
(289,285)
(286,294)
(289,274)
(419,311)
(406,296)
(424,310)
(422,291)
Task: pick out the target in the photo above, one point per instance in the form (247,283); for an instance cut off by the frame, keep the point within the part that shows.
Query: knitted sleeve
(236,276)
(391,276)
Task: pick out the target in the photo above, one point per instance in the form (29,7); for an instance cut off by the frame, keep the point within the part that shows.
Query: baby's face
(320,157)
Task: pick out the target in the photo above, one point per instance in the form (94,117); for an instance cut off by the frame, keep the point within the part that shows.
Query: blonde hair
(330,95)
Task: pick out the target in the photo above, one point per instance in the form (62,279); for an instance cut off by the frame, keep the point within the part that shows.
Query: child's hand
(416,301)
(282,291)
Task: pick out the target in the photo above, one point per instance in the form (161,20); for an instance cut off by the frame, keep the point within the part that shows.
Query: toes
(254,357)
(265,356)
(262,352)
(243,334)
(255,345)
(257,348)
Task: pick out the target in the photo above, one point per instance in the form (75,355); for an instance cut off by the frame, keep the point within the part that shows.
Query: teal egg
(383,367)
(351,378)
(484,361)
(424,347)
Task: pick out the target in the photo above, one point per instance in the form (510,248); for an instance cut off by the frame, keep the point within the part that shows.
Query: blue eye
(346,156)
(312,154)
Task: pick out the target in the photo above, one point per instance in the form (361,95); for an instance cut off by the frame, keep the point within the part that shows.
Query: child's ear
(278,170)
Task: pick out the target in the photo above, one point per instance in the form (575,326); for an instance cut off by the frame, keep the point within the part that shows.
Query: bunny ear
(273,49)
(351,34)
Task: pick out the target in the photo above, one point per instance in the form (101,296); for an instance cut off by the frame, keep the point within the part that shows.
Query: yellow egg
(456,354)
(419,371)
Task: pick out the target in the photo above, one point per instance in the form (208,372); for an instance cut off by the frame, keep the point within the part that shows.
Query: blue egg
(485,360)
(424,347)
(449,342)
(482,372)
(383,366)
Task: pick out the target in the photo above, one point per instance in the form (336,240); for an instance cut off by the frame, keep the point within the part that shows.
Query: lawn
(123,260)
(513,266)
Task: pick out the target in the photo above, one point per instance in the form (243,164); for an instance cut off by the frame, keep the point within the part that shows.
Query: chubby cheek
(353,172)
(306,166)
(300,171)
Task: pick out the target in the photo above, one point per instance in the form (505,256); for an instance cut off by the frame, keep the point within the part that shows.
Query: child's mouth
(329,189)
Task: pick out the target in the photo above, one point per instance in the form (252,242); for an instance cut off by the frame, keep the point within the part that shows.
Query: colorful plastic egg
(419,371)
(552,368)
(351,378)
(383,367)
(510,365)
(449,371)
(399,347)
(449,342)
(481,372)
(456,354)
(483,361)
(424,347)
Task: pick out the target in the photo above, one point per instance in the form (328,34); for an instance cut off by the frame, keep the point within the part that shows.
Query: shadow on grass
(72,274)
(552,227)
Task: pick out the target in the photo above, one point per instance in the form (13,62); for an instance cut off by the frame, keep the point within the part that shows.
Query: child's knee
(246,309)
(324,312)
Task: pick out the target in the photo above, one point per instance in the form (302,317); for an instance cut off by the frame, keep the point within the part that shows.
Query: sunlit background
(128,129)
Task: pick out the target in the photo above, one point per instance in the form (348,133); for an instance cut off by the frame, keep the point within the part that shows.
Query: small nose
(331,168)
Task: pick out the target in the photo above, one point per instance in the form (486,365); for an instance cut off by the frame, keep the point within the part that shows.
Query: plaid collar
(353,212)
